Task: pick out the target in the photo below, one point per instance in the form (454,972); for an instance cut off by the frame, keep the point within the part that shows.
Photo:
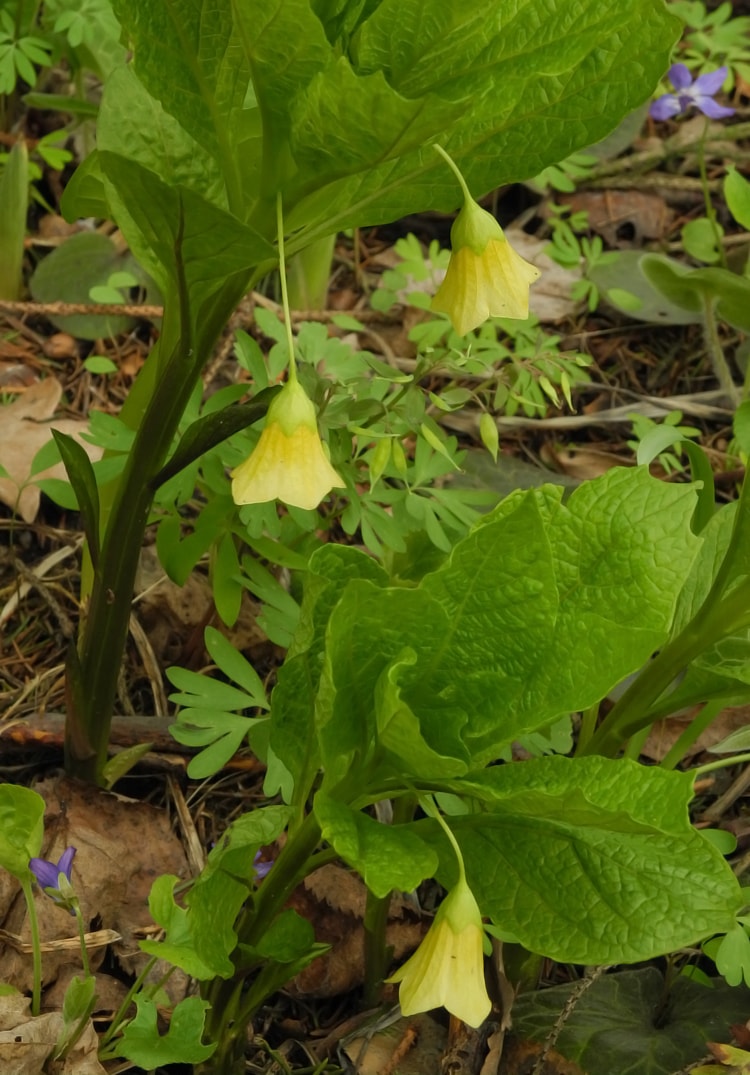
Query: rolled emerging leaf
(485,277)
(448,967)
(288,462)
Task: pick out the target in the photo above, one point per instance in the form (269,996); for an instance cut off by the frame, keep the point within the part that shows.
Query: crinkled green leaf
(591,860)
(399,731)
(188,56)
(293,734)
(552,604)
(523,77)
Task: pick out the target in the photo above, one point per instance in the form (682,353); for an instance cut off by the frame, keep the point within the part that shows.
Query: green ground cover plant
(239,134)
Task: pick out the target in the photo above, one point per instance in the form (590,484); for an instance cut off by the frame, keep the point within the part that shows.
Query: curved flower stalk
(447,970)
(288,463)
(485,277)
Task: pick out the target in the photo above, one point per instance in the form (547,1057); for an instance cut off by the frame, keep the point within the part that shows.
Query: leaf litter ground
(160,821)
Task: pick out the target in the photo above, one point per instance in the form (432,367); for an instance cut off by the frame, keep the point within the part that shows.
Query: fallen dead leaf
(26,1042)
(624,218)
(122,847)
(24,429)
(413,1046)
(334,900)
(665,733)
(580,464)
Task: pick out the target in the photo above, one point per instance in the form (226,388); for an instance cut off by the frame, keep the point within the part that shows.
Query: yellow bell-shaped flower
(485,277)
(288,462)
(448,967)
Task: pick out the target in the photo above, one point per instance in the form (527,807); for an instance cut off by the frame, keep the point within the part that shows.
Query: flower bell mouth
(485,277)
(288,463)
(447,970)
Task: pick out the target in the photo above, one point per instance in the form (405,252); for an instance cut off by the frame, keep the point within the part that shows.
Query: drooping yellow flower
(485,277)
(288,462)
(448,967)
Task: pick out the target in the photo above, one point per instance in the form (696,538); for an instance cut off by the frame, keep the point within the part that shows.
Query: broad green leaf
(632,1023)
(81,476)
(293,733)
(234,852)
(386,856)
(188,56)
(522,80)
(21,828)
(288,938)
(552,604)
(591,860)
(68,274)
(142,1043)
(225,882)
(737,195)
(171,228)
(134,124)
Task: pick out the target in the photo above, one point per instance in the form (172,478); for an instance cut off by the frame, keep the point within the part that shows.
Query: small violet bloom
(54,877)
(699,92)
(260,866)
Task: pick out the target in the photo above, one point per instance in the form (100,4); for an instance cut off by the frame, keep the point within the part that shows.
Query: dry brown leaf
(24,429)
(122,847)
(416,1045)
(27,1041)
(333,900)
(665,733)
(624,218)
(581,464)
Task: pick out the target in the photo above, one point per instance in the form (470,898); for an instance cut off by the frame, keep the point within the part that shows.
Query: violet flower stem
(710,211)
(36,949)
(82,938)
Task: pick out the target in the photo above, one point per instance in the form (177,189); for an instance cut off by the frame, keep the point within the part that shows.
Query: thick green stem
(309,273)
(173,372)
(716,620)
(377,952)
(692,733)
(93,675)
(230,1012)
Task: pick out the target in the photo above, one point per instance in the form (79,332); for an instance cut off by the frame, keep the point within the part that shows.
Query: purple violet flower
(699,92)
(48,873)
(260,867)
